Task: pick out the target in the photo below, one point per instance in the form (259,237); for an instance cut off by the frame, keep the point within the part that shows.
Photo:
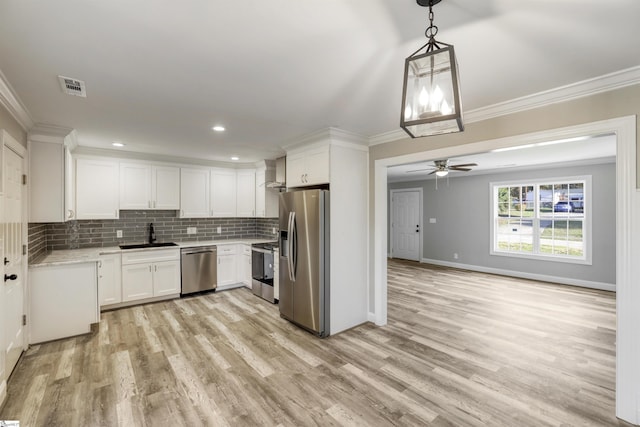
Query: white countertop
(74,256)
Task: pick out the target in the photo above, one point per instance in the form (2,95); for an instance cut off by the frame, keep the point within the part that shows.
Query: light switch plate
(219,230)
(432,220)
(118,234)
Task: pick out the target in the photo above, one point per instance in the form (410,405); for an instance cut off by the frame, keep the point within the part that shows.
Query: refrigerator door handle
(292,247)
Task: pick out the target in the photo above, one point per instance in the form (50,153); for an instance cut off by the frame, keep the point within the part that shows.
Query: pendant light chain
(431,31)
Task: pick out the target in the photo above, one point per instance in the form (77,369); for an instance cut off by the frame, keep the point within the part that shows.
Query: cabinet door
(135,186)
(69,186)
(261,187)
(246,194)
(166,278)
(317,167)
(46,182)
(194,193)
(244,265)
(295,170)
(223,192)
(137,282)
(109,280)
(227,270)
(165,187)
(97,189)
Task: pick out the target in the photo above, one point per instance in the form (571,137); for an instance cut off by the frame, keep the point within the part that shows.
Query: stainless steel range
(262,270)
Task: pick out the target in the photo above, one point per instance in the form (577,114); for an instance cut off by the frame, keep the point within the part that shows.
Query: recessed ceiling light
(218,128)
(117,144)
(235,158)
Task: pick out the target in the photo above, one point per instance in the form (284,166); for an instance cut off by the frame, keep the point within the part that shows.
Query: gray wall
(463,213)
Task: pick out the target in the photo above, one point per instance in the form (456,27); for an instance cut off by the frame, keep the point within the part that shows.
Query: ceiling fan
(442,168)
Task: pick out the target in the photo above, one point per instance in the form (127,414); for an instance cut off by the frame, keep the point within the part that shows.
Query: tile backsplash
(135,229)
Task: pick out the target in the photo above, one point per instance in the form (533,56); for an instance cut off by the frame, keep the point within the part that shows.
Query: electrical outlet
(273,230)
(455,256)
(192,230)
(119,234)
(219,230)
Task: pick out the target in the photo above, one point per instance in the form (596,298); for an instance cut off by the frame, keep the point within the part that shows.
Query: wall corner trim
(10,101)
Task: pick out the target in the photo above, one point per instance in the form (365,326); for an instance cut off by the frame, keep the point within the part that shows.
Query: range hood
(281,174)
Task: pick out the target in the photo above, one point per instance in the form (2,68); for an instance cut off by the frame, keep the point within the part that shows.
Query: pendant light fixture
(431,92)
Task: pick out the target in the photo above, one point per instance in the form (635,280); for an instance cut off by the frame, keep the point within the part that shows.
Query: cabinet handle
(149,268)
(155,268)
(149,204)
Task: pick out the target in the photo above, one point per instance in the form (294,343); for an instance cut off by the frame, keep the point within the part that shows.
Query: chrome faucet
(152,233)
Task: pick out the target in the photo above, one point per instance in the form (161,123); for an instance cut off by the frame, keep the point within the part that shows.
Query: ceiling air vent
(73,86)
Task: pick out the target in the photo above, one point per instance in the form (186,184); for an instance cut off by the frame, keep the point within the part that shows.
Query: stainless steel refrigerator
(304,259)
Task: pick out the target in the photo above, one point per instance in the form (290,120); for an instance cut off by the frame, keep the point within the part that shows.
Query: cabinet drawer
(150,255)
(246,250)
(227,249)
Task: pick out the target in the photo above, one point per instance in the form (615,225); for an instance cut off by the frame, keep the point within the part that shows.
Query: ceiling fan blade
(419,170)
(433,172)
(456,168)
(464,165)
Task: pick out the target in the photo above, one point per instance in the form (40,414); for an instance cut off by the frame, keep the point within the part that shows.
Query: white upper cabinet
(144,186)
(165,187)
(310,167)
(194,193)
(246,193)
(223,192)
(51,175)
(135,186)
(266,198)
(97,189)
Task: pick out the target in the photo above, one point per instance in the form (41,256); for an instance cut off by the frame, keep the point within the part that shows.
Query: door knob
(10,277)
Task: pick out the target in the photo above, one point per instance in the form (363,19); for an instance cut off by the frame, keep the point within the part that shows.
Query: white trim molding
(10,101)
(532,276)
(584,88)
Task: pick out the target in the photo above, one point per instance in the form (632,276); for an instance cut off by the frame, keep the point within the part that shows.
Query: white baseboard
(522,275)
(371,317)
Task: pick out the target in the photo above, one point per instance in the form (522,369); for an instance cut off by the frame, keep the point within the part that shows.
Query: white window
(543,219)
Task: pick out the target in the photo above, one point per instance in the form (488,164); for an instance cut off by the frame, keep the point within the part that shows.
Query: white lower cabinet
(63,301)
(110,279)
(166,278)
(137,282)
(244,265)
(227,265)
(150,274)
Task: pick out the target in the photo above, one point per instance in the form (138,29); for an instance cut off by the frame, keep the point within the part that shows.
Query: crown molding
(328,136)
(581,89)
(10,101)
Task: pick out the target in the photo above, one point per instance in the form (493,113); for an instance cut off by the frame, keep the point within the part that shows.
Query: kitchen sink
(148,245)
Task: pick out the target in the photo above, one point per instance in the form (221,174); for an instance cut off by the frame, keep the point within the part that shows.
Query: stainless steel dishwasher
(199,269)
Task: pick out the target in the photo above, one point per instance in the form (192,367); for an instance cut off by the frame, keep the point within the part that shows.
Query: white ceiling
(160,73)
(548,154)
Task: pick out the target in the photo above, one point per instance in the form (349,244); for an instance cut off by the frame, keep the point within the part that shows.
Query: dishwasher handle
(201,251)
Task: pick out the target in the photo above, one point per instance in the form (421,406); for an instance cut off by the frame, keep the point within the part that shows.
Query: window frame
(587,238)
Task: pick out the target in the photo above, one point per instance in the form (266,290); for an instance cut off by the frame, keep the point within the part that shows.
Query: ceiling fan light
(442,173)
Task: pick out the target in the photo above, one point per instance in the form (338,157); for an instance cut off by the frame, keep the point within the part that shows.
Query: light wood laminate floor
(460,349)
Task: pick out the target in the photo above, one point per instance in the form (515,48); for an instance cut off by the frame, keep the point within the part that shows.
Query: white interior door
(13,269)
(406,223)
